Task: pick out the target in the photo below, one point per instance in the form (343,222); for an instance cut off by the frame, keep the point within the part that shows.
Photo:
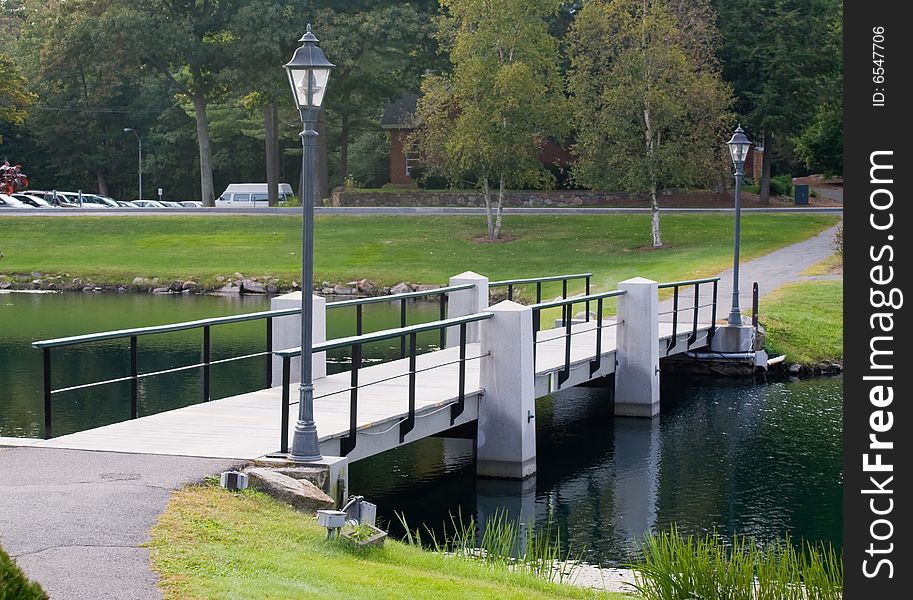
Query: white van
(247,195)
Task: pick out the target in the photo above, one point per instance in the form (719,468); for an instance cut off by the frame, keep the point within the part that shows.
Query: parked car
(169,204)
(191,204)
(96,201)
(247,195)
(32,200)
(126,204)
(146,204)
(10,202)
(63,199)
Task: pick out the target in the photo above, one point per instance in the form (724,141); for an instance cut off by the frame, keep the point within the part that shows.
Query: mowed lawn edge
(804,321)
(387,250)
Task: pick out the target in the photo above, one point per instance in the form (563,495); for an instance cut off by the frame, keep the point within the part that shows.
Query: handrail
(385,334)
(404,295)
(578,299)
(687,282)
(172,327)
(538,279)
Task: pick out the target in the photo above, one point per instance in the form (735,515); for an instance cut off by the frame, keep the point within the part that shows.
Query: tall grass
(504,542)
(676,567)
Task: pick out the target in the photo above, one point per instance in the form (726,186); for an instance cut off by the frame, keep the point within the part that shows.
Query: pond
(763,459)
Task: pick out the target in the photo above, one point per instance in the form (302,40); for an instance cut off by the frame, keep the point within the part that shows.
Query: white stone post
(287,334)
(506,441)
(464,303)
(637,373)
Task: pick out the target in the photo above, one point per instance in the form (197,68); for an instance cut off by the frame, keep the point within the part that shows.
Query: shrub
(781,185)
(838,240)
(14,585)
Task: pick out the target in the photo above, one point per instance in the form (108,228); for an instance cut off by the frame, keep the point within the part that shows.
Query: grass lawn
(210,543)
(389,249)
(832,265)
(804,321)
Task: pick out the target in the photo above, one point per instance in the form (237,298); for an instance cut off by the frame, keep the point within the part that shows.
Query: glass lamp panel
(298,79)
(319,79)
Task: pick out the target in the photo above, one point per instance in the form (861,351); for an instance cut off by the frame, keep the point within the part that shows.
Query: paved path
(75,520)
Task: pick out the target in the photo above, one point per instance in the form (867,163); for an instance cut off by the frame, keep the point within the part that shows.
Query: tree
(773,53)
(649,106)
(14,93)
(489,118)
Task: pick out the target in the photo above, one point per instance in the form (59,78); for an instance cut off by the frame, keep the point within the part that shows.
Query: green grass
(832,265)
(210,543)
(804,321)
(389,249)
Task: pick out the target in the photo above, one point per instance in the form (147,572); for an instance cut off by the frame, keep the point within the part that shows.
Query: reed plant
(504,542)
(678,567)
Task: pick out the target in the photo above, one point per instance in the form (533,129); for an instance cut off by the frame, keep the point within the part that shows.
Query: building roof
(400,113)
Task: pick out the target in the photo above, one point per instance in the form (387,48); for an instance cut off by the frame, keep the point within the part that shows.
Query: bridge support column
(464,303)
(287,334)
(506,441)
(637,373)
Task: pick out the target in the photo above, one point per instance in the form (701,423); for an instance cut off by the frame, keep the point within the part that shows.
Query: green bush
(781,185)
(14,585)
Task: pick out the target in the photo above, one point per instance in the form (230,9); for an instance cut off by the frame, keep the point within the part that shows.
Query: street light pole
(140,163)
(308,72)
(738,149)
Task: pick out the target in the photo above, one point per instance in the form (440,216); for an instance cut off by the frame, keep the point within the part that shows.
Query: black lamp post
(308,72)
(140,166)
(738,150)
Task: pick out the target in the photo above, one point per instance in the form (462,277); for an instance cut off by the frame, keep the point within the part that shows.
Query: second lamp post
(738,151)
(308,72)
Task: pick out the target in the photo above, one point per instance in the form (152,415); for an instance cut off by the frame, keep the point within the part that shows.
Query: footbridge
(482,377)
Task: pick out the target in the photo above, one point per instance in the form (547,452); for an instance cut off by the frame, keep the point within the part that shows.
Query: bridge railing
(567,320)
(695,308)
(355,343)
(564,279)
(403,299)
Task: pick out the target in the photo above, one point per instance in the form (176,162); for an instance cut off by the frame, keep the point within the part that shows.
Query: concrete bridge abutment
(637,372)
(506,440)
(463,303)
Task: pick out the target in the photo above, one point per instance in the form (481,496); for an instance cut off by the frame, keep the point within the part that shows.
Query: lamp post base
(305,447)
(733,338)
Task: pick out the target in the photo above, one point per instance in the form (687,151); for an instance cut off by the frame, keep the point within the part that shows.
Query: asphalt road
(75,521)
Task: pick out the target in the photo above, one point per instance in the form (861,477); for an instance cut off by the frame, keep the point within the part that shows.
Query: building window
(412,157)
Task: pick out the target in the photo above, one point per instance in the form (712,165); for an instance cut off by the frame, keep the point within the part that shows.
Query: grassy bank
(387,250)
(210,543)
(804,321)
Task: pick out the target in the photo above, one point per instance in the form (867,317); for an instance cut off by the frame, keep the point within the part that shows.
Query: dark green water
(753,458)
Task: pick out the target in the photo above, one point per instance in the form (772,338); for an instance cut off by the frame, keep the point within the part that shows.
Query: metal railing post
(206,357)
(134,381)
(402,323)
(442,314)
(408,423)
(697,294)
(457,409)
(673,340)
(269,352)
(568,322)
(47,393)
(286,384)
(713,313)
(347,444)
(754,305)
(587,293)
(597,361)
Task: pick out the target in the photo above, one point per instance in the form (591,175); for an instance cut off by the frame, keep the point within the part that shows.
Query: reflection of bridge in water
(491,364)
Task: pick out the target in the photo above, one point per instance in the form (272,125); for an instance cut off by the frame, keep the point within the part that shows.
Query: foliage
(781,185)
(781,57)
(488,119)
(675,566)
(505,542)
(210,543)
(838,241)
(14,93)
(820,146)
(14,585)
(804,321)
(648,102)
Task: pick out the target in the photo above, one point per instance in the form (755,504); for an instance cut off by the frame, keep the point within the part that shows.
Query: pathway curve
(75,521)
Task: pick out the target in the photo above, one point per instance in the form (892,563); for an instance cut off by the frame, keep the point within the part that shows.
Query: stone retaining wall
(530,198)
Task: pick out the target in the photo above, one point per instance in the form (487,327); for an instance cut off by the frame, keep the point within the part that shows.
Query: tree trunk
(102,182)
(486,193)
(323,173)
(765,171)
(199,109)
(344,147)
(271,142)
(500,208)
(654,217)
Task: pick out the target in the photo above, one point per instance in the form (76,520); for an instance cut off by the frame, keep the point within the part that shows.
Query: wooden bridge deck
(247,426)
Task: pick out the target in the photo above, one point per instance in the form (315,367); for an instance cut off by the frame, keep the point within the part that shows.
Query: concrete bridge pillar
(464,303)
(637,373)
(287,334)
(506,440)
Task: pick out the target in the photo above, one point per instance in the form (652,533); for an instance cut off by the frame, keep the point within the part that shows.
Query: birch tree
(487,120)
(648,102)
